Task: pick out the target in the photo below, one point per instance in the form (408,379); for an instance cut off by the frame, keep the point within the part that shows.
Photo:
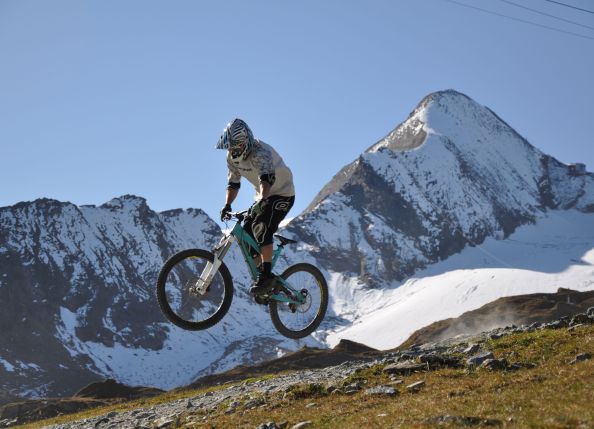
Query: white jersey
(263,160)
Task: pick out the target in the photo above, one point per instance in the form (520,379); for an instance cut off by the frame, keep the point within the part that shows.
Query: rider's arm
(233,183)
(231,195)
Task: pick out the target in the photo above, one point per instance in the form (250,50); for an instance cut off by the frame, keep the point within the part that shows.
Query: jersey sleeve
(263,163)
(233,174)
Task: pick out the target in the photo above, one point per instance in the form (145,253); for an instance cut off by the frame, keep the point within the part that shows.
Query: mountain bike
(195,288)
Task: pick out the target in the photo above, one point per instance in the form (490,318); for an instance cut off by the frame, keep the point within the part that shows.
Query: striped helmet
(237,138)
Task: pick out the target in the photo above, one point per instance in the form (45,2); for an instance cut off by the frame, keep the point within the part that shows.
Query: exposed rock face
(513,310)
(77,288)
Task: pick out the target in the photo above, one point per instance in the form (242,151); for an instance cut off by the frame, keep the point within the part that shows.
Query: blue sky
(101,98)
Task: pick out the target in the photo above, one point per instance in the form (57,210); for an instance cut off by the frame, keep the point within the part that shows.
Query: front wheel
(177,293)
(298,321)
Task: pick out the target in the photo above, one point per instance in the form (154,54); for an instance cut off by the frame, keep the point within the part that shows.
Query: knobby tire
(161,292)
(321,311)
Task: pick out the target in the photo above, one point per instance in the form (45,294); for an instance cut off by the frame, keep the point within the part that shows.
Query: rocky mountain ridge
(449,176)
(77,285)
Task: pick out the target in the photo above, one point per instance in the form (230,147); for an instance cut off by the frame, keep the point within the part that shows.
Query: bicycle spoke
(298,316)
(184,301)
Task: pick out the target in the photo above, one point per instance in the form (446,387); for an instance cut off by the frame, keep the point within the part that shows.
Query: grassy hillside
(547,389)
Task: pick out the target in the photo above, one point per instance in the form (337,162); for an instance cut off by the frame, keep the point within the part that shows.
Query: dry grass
(553,394)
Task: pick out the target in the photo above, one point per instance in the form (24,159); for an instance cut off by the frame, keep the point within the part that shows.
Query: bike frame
(246,243)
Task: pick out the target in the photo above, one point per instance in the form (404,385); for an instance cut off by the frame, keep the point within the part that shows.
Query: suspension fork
(211,268)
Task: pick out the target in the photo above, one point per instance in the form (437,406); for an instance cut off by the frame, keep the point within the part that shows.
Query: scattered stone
(463,421)
(477,360)
(404,357)
(579,319)
(495,336)
(352,388)
(382,415)
(581,357)
(269,425)
(404,368)
(362,368)
(7,422)
(574,327)
(557,324)
(494,364)
(253,403)
(232,407)
(311,405)
(590,312)
(382,390)
(415,387)
(435,360)
(102,421)
(302,425)
(164,422)
(471,349)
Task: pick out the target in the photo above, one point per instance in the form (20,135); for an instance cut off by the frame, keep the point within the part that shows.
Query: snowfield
(556,252)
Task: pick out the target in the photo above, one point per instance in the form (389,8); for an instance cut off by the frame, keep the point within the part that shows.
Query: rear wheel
(178,298)
(298,321)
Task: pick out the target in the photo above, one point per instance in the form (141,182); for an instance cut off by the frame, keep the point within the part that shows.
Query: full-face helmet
(237,138)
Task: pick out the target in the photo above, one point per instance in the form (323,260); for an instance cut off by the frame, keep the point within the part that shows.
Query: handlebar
(240,216)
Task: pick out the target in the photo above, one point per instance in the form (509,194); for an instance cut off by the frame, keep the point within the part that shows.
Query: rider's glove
(226,212)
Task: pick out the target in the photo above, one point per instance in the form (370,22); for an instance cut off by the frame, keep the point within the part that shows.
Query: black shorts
(262,226)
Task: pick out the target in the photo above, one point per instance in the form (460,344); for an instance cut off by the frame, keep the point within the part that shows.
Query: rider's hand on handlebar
(226,212)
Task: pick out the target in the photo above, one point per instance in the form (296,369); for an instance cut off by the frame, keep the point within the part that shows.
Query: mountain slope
(555,252)
(450,176)
(77,288)
(519,310)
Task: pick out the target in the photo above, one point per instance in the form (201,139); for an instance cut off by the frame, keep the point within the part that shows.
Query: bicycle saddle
(284,240)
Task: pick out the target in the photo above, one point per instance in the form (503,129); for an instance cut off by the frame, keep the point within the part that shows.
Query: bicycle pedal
(262,300)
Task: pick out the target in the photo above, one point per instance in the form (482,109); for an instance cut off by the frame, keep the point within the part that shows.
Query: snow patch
(556,252)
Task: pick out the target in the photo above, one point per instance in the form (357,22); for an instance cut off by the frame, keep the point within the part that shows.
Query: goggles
(237,150)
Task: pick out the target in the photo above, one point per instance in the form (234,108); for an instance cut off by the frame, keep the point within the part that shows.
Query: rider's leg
(267,259)
(264,226)
(247,227)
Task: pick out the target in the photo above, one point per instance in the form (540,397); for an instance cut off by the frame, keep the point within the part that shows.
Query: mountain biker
(263,167)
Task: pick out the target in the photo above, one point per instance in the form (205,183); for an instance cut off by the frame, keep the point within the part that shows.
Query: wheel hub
(305,306)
